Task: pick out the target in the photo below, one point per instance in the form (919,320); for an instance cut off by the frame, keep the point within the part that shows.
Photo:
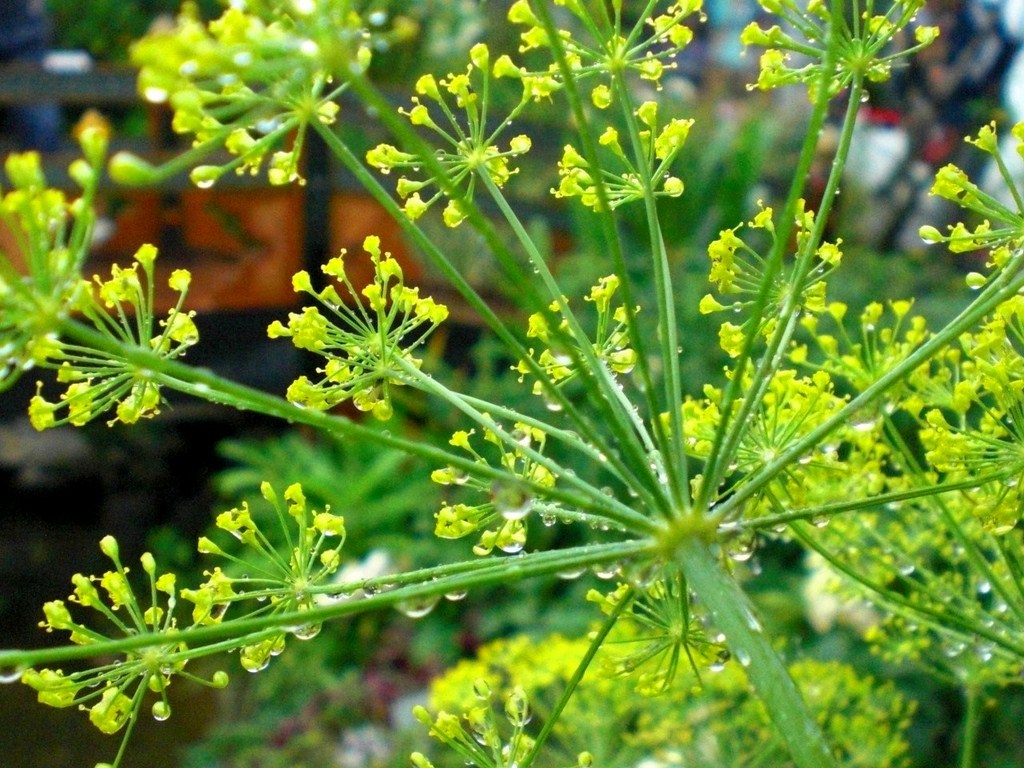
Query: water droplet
(268,125)
(481,690)
(377,18)
(607,571)
(742,547)
(743,658)
(10,675)
(455,595)
(752,621)
(417,608)
(161,711)
(306,631)
(511,503)
(865,425)
(720,660)
(255,665)
(155,95)
(511,547)
(551,404)
(570,575)
(954,649)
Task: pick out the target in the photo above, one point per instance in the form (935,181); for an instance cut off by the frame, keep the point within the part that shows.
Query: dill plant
(889,450)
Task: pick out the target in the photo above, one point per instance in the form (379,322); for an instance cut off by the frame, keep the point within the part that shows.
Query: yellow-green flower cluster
(114,692)
(999,239)
(362,337)
(738,269)
(472,143)
(40,268)
(866,721)
(662,631)
(660,148)
(867,42)
(611,338)
(647,49)
(792,406)
(947,594)
(478,735)
(252,80)
(887,335)
(98,381)
(987,413)
(280,582)
(502,518)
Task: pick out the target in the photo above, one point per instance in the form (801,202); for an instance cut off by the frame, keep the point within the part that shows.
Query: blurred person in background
(24,41)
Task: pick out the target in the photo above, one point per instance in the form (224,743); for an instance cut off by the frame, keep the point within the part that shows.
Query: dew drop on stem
(416,608)
(8,675)
(306,631)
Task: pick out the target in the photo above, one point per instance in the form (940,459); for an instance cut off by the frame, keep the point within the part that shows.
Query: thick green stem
(733,614)
(972,719)
(429,582)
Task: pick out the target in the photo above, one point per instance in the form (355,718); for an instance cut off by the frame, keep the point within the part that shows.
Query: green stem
(671,443)
(429,583)
(972,720)
(588,430)
(943,622)
(616,512)
(595,645)
(206,385)
(733,614)
(604,390)
(1002,287)
(606,218)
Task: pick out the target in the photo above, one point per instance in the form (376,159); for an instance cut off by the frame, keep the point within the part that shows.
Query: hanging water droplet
(417,608)
(743,658)
(741,548)
(974,280)
(255,665)
(570,575)
(155,95)
(511,503)
(10,675)
(511,547)
(306,631)
(161,711)
(607,570)
(455,595)
(720,661)
(551,404)
(864,425)
(954,649)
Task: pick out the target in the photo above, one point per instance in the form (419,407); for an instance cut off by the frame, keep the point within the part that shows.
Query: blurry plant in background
(593,437)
